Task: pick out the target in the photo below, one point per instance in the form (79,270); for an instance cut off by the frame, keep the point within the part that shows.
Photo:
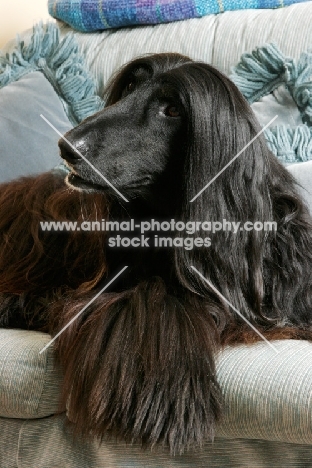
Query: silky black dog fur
(139,363)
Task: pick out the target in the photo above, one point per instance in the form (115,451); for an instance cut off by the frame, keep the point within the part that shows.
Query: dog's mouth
(73,180)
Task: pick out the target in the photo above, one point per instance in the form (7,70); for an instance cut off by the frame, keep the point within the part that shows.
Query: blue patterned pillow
(93,15)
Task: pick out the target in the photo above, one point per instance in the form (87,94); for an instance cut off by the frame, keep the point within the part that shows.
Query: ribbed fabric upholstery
(267,395)
(216,39)
(29,381)
(46,443)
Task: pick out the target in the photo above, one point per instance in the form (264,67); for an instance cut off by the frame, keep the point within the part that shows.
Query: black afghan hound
(139,361)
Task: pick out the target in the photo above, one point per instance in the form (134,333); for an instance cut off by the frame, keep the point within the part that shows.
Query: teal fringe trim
(262,71)
(290,145)
(61,63)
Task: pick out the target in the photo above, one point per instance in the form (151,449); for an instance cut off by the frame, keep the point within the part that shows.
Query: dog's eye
(172,111)
(130,87)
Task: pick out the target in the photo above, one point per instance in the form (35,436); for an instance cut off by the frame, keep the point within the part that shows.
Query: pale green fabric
(46,443)
(29,381)
(267,395)
(216,39)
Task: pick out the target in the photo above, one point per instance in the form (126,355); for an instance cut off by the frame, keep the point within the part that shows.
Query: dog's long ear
(250,187)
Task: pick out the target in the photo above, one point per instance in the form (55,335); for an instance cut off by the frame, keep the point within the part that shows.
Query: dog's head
(137,142)
(170,124)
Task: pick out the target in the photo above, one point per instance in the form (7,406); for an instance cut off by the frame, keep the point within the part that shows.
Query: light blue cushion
(303,174)
(28,145)
(44,75)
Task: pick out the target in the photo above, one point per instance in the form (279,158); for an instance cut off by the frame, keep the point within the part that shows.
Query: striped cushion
(216,39)
(47,443)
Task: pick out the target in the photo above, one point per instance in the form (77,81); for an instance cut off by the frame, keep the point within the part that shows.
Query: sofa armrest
(29,381)
(267,395)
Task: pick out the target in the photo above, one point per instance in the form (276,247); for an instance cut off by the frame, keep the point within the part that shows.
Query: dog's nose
(68,151)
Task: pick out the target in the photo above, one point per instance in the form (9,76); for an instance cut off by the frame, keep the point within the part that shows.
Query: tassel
(290,145)
(61,63)
(262,71)
(259,73)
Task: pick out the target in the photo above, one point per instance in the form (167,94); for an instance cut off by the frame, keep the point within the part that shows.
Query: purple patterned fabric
(93,15)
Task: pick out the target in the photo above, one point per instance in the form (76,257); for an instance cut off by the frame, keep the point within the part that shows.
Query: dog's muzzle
(68,152)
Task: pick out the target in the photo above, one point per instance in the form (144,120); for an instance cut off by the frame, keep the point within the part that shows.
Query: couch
(267,419)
